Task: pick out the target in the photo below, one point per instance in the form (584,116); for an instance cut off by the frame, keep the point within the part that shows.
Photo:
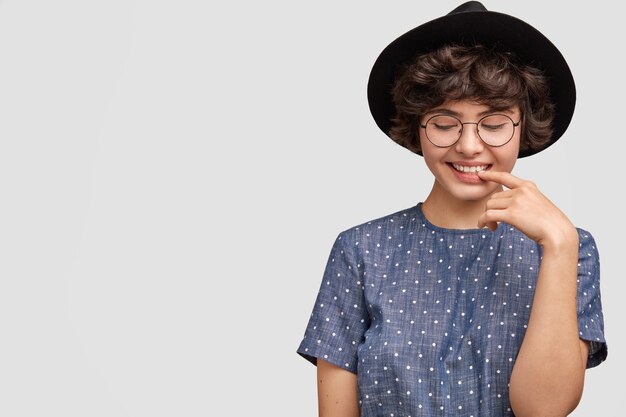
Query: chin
(469,192)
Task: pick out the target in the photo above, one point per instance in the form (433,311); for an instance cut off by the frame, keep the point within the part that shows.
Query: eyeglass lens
(494,130)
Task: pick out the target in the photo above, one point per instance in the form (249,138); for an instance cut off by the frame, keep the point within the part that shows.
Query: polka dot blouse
(431,319)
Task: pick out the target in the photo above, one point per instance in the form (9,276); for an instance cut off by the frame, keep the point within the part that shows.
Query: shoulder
(585,238)
(587,248)
(390,223)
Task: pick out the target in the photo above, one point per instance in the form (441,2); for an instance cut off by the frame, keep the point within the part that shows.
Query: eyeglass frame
(423,126)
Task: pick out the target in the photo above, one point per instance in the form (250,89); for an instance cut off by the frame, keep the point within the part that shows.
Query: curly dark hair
(487,76)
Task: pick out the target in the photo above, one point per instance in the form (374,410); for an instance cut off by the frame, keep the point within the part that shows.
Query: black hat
(469,24)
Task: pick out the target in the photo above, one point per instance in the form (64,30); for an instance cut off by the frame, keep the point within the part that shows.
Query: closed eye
(493,128)
(444,127)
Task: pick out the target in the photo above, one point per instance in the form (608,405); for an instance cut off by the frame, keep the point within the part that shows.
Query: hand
(527,209)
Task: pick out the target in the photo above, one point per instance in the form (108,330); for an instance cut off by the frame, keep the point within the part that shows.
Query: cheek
(507,161)
(432,156)
(507,155)
(430,152)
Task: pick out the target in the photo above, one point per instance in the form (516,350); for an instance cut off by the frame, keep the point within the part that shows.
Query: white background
(173,175)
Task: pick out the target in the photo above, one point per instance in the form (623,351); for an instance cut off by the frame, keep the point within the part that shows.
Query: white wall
(173,174)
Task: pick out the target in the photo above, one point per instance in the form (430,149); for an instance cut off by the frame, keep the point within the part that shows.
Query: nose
(469,143)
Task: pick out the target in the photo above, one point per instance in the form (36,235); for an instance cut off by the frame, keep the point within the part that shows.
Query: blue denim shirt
(431,319)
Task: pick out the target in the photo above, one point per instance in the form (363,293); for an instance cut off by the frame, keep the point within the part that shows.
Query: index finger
(501,177)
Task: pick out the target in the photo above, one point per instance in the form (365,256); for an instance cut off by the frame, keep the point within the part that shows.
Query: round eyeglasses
(494,129)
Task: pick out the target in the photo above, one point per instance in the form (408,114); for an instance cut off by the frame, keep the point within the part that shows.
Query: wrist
(562,241)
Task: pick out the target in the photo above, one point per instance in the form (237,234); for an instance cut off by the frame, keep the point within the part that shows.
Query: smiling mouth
(469,169)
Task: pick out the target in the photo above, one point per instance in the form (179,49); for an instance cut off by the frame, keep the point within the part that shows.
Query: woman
(484,300)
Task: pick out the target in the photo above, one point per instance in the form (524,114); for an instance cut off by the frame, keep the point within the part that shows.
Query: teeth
(465,168)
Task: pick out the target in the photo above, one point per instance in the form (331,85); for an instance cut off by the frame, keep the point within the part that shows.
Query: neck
(445,210)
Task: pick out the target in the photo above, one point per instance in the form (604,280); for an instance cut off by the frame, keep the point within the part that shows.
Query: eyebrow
(445,110)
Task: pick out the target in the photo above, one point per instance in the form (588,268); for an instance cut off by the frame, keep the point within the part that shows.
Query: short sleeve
(339,318)
(590,319)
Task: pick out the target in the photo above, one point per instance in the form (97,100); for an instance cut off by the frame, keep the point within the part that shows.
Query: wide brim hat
(470,24)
